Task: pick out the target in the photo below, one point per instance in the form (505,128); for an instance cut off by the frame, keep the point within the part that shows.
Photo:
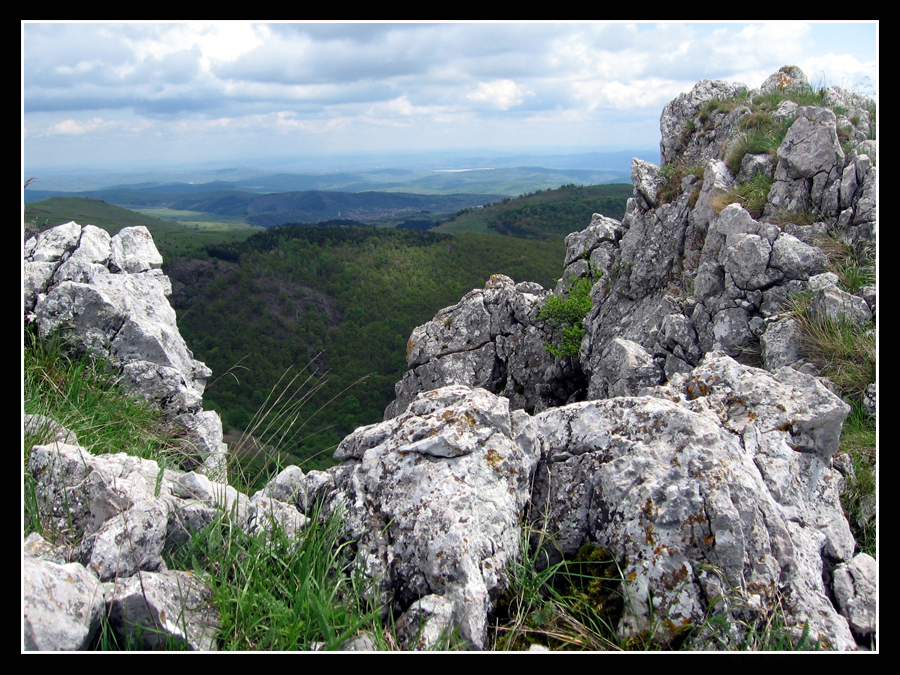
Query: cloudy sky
(138,95)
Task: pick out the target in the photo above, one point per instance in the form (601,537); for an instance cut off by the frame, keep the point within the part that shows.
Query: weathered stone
(667,486)
(834,304)
(434,499)
(425,624)
(780,344)
(647,181)
(628,368)
(265,514)
(110,295)
(856,591)
(164,611)
(62,605)
(787,79)
(796,259)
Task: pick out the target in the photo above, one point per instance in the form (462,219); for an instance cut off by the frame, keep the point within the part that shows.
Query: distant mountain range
(375,195)
(353,173)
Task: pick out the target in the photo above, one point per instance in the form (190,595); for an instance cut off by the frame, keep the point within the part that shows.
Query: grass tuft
(278,593)
(752,195)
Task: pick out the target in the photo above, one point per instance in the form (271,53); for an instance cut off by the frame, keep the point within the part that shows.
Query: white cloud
(72,127)
(397,85)
(844,70)
(649,93)
(499,94)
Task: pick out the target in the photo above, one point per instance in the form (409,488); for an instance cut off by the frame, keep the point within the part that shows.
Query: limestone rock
(62,605)
(856,591)
(168,610)
(434,498)
(705,477)
(110,297)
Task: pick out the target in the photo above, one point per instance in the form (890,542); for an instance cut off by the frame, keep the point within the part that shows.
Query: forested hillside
(544,213)
(339,301)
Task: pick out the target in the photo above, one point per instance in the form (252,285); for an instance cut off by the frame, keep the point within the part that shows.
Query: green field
(173,238)
(199,219)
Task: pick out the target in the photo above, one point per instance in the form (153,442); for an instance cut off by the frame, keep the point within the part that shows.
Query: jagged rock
(491,339)
(426,622)
(628,368)
(780,344)
(62,605)
(708,477)
(810,164)
(203,431)
(678,119)
(647,181)
(752,165)
(788,78)
(856,592)
(167,610)
(109,296)
(682,279)
(38,547)
(832,303)
(128,318)
(434,498)
(717,180)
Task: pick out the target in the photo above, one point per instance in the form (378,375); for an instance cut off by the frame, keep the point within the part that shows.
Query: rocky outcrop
(108,296)
(491,339)
(685,275)
(434,498)
(716,489)
(711,484)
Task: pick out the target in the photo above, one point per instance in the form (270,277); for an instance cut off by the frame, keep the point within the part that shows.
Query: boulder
(434,498)
(718,486)
(108,296)
(62,605)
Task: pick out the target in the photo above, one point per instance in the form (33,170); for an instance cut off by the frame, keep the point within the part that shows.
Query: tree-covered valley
(321,314)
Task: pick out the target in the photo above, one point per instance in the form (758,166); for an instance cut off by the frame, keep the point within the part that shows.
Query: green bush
(568,314)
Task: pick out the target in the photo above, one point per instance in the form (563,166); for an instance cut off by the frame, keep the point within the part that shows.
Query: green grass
(80,394)
(273,592)
(762,135)
(277,593)
(752,195)
(673,175)
(847,354)
(854,264)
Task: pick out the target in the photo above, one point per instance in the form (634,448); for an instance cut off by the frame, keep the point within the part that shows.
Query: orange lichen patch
(648,510)
(697,388)
(661,548)
(675,578)
(494,458)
